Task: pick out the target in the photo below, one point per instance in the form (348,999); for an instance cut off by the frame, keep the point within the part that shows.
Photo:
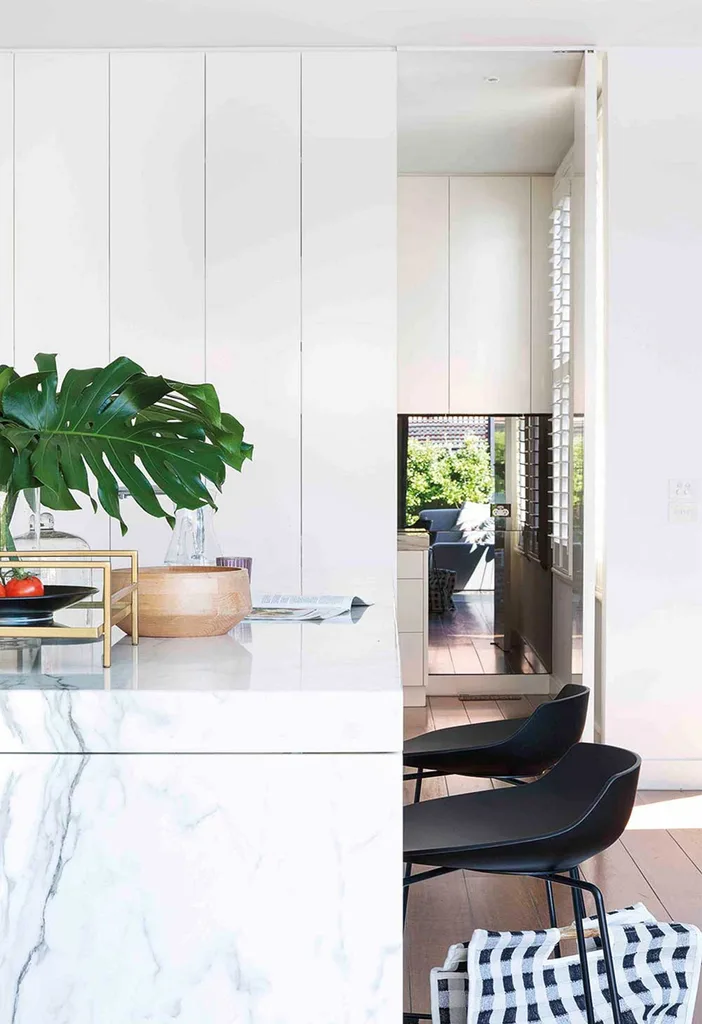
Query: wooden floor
(463,641)
(658,862)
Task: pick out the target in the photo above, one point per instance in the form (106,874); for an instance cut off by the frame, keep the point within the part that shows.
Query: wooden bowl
(187,600)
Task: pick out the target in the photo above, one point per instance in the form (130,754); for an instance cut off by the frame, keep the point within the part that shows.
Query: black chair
(513,749)
(510,750)
(545,829)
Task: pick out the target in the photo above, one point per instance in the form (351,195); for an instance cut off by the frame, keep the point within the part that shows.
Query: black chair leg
(418,786)
(405,894)
(575,882)
(575,873)
(607,953)
(408,867)
(579,912)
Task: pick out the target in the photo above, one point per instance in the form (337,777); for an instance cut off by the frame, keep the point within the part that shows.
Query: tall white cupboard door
(423,294)
(541,361)
(253,299)
(349,343)
(157,231)
(7,256)
(61,225)
(490,281)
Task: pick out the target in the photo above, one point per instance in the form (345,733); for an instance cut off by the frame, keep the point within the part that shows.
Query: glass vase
(8,505)
(194,541)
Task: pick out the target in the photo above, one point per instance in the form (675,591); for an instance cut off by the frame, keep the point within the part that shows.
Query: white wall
(653,567)
(193,211)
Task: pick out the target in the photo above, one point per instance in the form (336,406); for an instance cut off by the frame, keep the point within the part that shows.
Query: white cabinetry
(60,237)
(349,322)
(7,188)
(253,299)
(157,232)
(223,216)
(423,293)
(413,623)
(489,285)
(473,294)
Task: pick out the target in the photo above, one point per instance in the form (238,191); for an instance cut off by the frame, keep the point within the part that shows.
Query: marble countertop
(333,686)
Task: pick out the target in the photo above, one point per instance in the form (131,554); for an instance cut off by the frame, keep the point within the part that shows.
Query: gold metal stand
(115,606)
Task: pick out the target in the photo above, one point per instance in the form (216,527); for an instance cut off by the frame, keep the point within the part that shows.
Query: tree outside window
(438,477)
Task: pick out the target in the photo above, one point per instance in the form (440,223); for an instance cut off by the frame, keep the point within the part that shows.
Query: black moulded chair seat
(518,747)
(578,809)
(542,828)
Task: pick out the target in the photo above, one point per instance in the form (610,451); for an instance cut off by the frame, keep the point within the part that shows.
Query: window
(561,422)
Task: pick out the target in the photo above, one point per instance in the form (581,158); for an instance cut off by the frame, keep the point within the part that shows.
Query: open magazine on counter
(297,608)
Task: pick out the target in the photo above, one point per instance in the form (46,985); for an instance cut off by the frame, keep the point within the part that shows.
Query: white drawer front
(410,606)
(410,564)
(412,659)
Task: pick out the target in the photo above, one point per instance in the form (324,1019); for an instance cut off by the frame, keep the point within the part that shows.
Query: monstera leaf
(115,424)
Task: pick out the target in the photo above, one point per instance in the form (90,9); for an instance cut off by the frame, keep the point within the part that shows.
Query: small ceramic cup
(236,563)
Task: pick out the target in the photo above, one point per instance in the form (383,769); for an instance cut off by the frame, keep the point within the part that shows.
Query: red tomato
(29,586)
(2,590)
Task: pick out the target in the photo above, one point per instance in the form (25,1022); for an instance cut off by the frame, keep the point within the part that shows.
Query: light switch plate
(682,511)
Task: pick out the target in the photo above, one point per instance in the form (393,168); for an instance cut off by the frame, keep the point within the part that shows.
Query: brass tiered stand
(115,606)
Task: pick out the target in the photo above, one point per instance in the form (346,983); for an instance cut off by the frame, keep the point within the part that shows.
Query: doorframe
(590,677)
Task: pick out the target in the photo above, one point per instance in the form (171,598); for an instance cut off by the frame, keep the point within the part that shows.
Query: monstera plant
(114,424)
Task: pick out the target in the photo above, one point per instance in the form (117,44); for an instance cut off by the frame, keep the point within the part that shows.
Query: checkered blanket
(512,978)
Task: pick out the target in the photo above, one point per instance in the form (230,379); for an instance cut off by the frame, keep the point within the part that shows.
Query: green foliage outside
(499,448)
(439,478)
(578,479)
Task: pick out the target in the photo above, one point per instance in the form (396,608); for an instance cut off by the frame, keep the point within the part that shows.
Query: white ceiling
(451,120)
(162,23)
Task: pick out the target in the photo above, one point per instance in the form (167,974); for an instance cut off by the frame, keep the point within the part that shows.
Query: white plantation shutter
(529,507)
(560,350)
(522,477)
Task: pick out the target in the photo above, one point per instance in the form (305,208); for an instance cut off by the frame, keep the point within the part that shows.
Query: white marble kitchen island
(207,833)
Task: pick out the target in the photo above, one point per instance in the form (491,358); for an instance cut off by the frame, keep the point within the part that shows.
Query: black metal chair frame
(578,886)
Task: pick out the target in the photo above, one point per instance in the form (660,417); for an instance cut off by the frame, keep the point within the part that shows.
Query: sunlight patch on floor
(671,813)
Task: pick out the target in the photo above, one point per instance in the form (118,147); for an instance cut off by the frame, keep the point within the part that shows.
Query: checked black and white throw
(513,978)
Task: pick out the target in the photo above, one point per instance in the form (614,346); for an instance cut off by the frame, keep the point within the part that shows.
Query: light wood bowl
(185,600)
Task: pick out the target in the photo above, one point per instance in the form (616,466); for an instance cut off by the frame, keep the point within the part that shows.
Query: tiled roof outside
(450,431)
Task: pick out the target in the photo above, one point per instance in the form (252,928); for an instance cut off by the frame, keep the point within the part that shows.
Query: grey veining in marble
(207,833)
(221,889)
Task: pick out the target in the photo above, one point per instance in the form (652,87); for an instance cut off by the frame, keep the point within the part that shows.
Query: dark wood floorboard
(535,699)
(521,708)
(462,642)
(660,865)
(482,711)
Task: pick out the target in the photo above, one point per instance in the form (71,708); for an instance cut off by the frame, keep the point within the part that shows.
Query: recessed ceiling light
(491,79)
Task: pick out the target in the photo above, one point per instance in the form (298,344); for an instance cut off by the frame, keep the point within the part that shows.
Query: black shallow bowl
(39,611)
